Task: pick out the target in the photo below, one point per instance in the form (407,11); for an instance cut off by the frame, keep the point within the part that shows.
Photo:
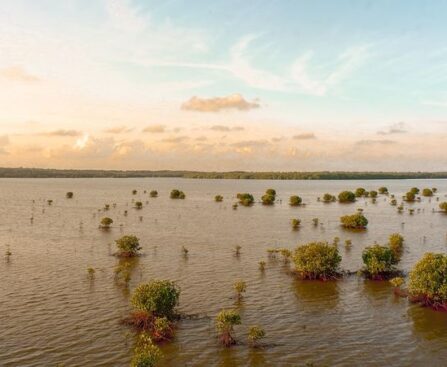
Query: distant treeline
(324,175)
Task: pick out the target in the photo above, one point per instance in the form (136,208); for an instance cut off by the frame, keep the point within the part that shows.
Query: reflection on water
(51,312)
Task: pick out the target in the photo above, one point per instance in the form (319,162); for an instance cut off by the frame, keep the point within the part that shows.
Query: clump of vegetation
(106,222)
(8,253)
(443,206)
(185,251)
(146,354)
(153,194)
(295,200)
(410,196)
(245,199)
(427,192)
(296,223)
(348,244)
(383,190)
(428,281)
(315,221)
(134,192)
(346,197)
(414,190)
(218,198)
(237,250)
(328,198)
(373,194)
(106,207)
(91,272)
(69,195)
(128,246)
(239,287)
(393,202)
(360,192)
(379,262)
(234,206)
(177,194)
(268,199)
(354,221)
(225,322)
(138,205)
(255,333)
(396,244)
(49,202)
(262,265)
(317,260)
(397,282)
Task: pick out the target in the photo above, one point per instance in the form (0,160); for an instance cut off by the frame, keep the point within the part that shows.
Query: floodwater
(51,314)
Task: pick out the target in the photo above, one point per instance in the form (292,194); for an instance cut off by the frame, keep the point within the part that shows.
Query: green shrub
(218,198)
(360,192)
(354,221)
(328,198)
(69,195)
(158,298)
(255,333)
(427,192)
(295,200)
(383,190)
(410,196)
(443,206)
(245,199)
(225,322)
(396,244)
(268,199)
(134,192)
(317,260)
(128,246)
(414,190)
(379,261)
(271,192)
(240,287)
(146,354)
(138,205)
(346,197)
(296,223)
(153,194)
(373,194)
(177,194)
(106,222)
(428,281)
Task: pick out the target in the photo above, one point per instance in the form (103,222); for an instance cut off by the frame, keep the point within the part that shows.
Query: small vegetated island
(177,194)
(245,199)
(269,197)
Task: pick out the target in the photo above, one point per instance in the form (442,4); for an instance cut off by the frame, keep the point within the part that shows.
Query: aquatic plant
(218,198)
(427,282)
(396,244)
(434,189)
(271,192)
(225,322)
(128,246)
(234,206)
(146,354)
(383,190)
(443,206)
(317,260)
(373,194)
(91,272)
(427,192)
(158,298)
(49,202)
(360,192)
(69,195)
(106,207)
(245,199)
(106,222)
(354,221)
(346,197)
(393,202)
(239,287)
(262,265)
(414,190)
(177,194)
(255,333)
(379,262)
(138,205)
(134,192)
(123,272)
(328,198)
(237,250)
(348,244)
(153,194)
(268,199)
(295,200)
(315,221)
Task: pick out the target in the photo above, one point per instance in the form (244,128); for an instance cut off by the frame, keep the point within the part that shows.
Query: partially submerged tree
(383,190)
(255,333)
(427,192)
(69,195)
(346,197)
(146,354)
(360,192)
(138,205)
(396,244)
(245,199)
(428,281)
(128,246)
(153,194)
(240,287)
(177,194)
(295,200)
(354,221)
(225,322)
(379,262)
(328,198)
(317,260)
(410,196)
(296,223)
(106,222)
(218,198)
(443,206)
(268,199)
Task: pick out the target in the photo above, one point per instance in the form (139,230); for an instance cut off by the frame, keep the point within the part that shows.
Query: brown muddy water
(52,314)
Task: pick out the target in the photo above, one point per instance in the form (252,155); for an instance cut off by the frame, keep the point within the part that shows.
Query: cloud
(155,129)
(368,142)
(61,132)
(305,136)
(118,130)
(18,74)
(216,104)
(224,128)
(175,140)
(250,143)
(4,141)
(398,128)
(201,138)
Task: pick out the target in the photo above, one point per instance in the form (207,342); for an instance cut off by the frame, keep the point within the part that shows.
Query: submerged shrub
(295,200)
(158,298)
(317,260)
(146,354)
(255,333)
(346,197)
(268,199)
(383,190)
(218,198)
(177,194)
(360,192)
(328,198)
(414,190)
(396,244)
(134,192)
(225,322)
(245,199)
(373,194)
(354,221)
(240,287)
(106,222)
(128,246)
(427,192)
(138,205)
(270,192)
(262,265)
(379,262)
(428,281)
(153,194)
(296,223)
(69,195)
(443,206)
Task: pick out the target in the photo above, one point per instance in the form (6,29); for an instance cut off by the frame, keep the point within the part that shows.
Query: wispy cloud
(216,104)
(398,128)
(223,128)
(60,132)
(175,140)
(18,74)
(368,142)
(305,136)
(118,130)
(155,129)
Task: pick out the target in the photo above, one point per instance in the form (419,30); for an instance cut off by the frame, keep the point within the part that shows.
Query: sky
(224,85)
